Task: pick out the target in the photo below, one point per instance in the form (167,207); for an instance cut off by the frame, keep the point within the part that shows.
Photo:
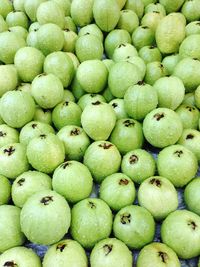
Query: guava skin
(189,47)
(61,65)
(124,51)
(34,129)
(102,159)
(66,113)
(154,7)
(154,71)
(81,12)
(154,192)
(42,115)
(171,6)
(11,235)
(119,108)
(135,5)
(190,139)
(89,99)
(3,24)
(8,78)
(118,191)
(133,165)
(157,254)
(27,184)
(189,116)
(31,7)
(111,251)
(191,9)
(68,253)
(70,41)
(6,7)
(20,256)
(68,96)
(170,92)
(127,129)
(91,222)
(13,160)
(91,29)
(45,153)
(162,127)
(17,108)
(191,196)
(8,135)
(197,97)
(75,141)
(152,19)
(106,14)
(182,225)
(170,62)
(121,76)
(5,190)
(45,229)
(73,181)
(139,63)
(192,28)
(47,90)
(189,99)
(150,54)
(139,100)
(134,226)
(143,36)
(98,120)
(128,20)
(17,18)
(178,164)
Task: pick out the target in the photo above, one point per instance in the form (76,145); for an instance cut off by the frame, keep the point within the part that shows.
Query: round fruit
(8,135)
(5,188)
(8,78)
(191,195)
(189,116)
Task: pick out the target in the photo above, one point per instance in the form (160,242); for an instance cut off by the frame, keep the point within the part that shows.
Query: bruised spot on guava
(156,182)
(163,256)
(126,218)
(92,205)
(2,134)
(114,105)
(46,200)
(190,108)
(65,165)
(66,103)
(43,136)
(192,224)
(61,247)
(105,145)
(34,125)
(21,181)
(123,181)
(189,136)
(9,151)
(10,264)
(128,123)
(96,103)
(75,132)
(178,153)
(133,159)
(141,83)
(107,249)
(159,116)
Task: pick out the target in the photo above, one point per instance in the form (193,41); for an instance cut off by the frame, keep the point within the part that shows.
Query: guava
(30,7)
(69,24)
(91,29)
(170,62)
(190,47)
(119,107)
(6,7)
(171,6)
(70,41)
(154,71)
(128,20)
(143,36)
(197,97)
(178,164)
(189,116)
(17,18)
(42,213)
(91,222)
(150,54)
(192,28)
(139,63)
(8,135)
(81,12)
(191,10)
(124,51)
(89,99)
(189,99)
(152,19)
(154,7)
(20,31)
(42,115)
(8,78)
(191,196)
(135,5)
(65,6)
(3,25)
(5,190)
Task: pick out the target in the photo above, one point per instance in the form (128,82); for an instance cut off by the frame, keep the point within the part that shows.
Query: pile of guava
(99,133)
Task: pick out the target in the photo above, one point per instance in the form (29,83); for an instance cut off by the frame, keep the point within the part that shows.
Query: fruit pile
(88,89)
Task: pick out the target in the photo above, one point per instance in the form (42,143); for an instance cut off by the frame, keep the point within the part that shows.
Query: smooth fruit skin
(106,14)
(154,192)
(123,52)
(29,63)
(162,127)
(91,222)
(21,255)
(98,120)
(189,116)
(81,12)
(182,225)
(10,43)
(42,115)
(178,164)
(31,7)
(139,100)
(119,108)
(17,108)
(103,159)
(5,189)
(8,78)
(134,226)
(45,153)
(143,36)
(91,29)
(192,28)
(17,18)
(189,47)
(47,90)
(197,97)
(118,191)
(170,33)
(27,184)
(111,251)
(135,5)
(170,62)
(45,229)
(72,180)
(171,6)
(138,165)
(11,235)
(89,99)
(154,71)
(8,135)
(13,160)
(128,20)
(191,196)
(67,251)
(157,254)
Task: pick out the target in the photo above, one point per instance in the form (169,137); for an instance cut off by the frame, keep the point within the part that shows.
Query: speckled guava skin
(189,116)
(8,135)
(5,190)
(89,99)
